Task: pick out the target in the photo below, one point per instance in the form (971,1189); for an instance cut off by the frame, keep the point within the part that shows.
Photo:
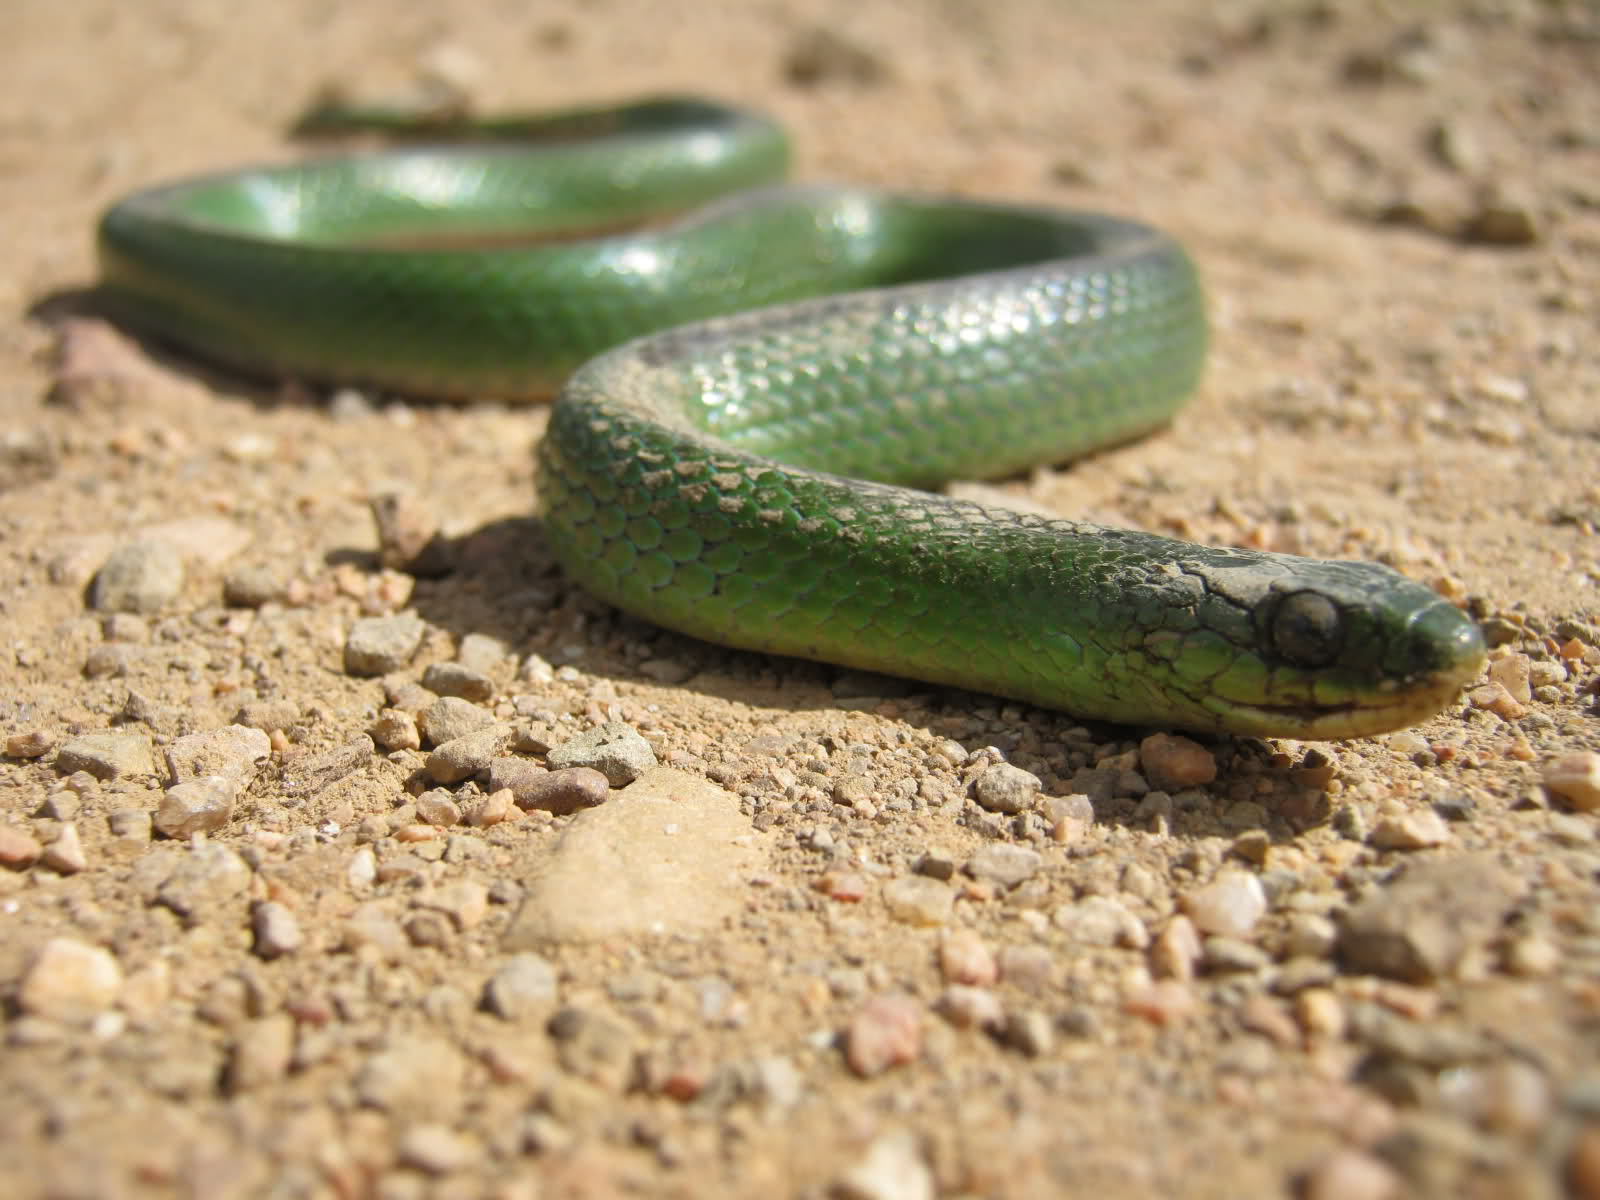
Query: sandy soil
(1397,210)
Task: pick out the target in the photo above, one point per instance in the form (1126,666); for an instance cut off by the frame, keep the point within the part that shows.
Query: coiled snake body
(745,474)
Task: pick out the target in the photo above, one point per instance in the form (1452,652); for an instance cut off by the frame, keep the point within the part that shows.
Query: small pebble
(1029,1031)
(196,806)
(1029,968)
(140,577)
(1004,788)
(1177,950)
(207,875)
(845,886)
(438,807)
(233,754)
(614,749)
(412,1073)
(437,1149)
(968,1007)
(1004,863)
(1513,672)
(408,535)
(885,1032)
(1230,905)
(107,756)
(1164,1002)
(451,717)
(262,1053)
(64,855)
(1231,954)
(522,990)
(396,730)
(454,679)
(918,900)
(1493,697)
(1320,1013)
(372,927)
(18,850)
(276,929)
(965,959)
(560,792)
(1310,935)
(490,809)
(1422,925)
(893,1168)
(1532,956)
(1101,921)
(1173,763)
(463,757)
(70,981)
(252,587)
(130,824)
(379,645)
(31,743)
(1419,830)
(464,901)
(1350,1175)
(1575,778)
(428,928)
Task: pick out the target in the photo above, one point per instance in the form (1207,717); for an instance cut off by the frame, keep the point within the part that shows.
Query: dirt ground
(1360,969)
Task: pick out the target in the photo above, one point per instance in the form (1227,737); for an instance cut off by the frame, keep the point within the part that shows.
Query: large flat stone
(671,854)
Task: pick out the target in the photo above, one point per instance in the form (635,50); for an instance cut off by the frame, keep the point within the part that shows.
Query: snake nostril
(1307,629)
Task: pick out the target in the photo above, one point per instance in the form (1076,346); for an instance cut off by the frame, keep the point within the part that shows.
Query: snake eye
(1306,629)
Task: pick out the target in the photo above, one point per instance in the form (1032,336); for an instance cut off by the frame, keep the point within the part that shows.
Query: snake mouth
(1376,712)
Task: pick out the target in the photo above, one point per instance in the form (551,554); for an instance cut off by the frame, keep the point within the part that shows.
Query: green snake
(758,377)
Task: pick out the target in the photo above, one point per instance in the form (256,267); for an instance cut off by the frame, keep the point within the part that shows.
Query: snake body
(761,384)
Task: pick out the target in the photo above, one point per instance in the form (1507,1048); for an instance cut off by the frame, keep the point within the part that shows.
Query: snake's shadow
(57,310)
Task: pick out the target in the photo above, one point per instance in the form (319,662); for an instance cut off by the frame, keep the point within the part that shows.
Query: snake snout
(1443,643)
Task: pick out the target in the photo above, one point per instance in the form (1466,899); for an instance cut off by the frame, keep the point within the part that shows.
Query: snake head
(1290,647)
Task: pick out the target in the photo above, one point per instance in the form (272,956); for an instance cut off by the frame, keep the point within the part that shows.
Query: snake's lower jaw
(1397,705)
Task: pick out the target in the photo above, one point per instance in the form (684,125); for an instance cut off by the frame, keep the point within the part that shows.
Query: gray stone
(195,806)
(1004,864)
(1101,921)
(70,981)
(140,577)
(107,755)
(1004,788)
(208,875)
(524,989)
(261,1053)
(233,754)
(670,855)
(614,749)
(463,757)
(893,1168)
(276,928)
(378,645)
(451,717)
(414,1074)
(454,679)
(251,587)
(1423,924)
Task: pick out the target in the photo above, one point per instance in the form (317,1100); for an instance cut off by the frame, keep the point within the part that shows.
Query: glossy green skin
(712,477)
